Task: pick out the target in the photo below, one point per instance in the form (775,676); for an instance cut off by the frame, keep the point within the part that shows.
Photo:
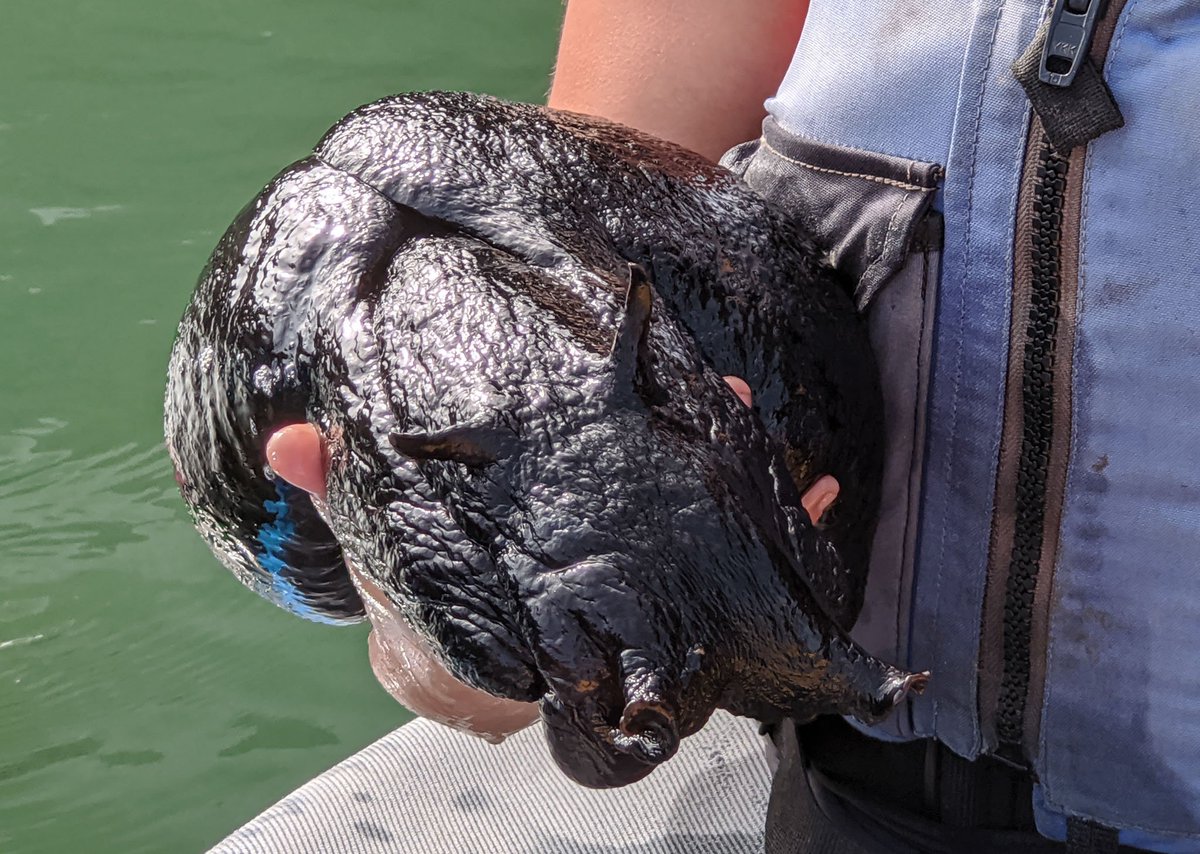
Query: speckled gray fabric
(428,790)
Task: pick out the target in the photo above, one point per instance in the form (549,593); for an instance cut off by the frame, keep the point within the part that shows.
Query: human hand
(817,498)
(400,658)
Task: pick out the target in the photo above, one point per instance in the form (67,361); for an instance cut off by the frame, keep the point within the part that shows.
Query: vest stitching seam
(908,156)
(1126,14)
(909,559)
(958,350)
(876,178)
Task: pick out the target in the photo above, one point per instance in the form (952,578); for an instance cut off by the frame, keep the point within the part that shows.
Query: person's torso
(1039,546)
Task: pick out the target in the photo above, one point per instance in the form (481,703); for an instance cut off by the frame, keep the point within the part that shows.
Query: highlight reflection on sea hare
(513,324)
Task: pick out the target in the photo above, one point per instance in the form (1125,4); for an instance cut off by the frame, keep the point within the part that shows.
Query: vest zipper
(1037,430)
(1034,453)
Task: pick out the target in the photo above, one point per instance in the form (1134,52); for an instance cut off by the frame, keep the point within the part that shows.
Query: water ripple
(61,504)
(20,641)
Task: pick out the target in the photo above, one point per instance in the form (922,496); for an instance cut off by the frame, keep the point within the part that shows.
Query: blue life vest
(1039,548)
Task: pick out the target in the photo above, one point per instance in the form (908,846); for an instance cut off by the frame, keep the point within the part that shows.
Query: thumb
(296,453)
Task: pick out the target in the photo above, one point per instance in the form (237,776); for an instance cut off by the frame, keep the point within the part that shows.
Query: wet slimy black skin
(512,325)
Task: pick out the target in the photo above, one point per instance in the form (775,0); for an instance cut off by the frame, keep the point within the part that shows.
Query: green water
(147,701)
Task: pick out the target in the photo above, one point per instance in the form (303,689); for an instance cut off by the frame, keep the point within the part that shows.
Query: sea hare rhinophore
(512,325)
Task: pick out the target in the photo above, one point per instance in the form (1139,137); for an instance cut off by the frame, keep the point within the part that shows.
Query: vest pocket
(872,214)
(866,209)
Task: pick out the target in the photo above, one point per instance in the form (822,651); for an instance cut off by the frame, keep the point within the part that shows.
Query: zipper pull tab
(1072,23)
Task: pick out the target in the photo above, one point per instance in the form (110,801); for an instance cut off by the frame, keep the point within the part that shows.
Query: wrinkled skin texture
(511,325)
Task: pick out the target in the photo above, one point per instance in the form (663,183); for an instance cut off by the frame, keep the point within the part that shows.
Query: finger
(740,388)
(296,454)
(820,496)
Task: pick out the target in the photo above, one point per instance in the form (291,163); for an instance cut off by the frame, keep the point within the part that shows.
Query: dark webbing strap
(795,823)
(1090,837)
(836,791)
(1072,115)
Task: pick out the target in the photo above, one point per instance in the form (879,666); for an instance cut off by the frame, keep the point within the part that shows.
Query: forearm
(692,71)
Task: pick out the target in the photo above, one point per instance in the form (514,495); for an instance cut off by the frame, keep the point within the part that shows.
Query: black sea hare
(513,325)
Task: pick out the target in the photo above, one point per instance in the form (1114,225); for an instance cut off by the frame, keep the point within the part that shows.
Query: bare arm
(692,71)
